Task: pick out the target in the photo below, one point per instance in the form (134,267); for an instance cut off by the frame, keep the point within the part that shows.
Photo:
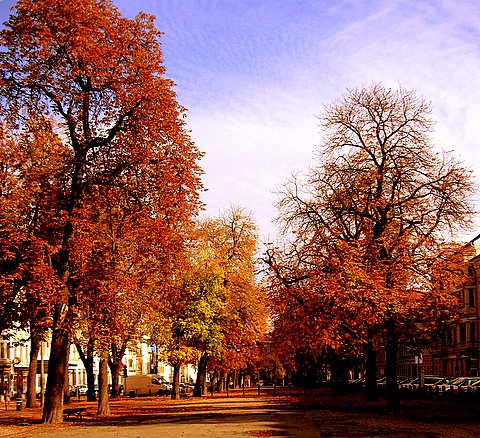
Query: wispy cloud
(254,75)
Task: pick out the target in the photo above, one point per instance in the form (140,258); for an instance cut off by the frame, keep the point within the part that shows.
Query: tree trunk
(115,370)
(88,362)
(57,367)
(370,372)
(199,388)
(391,350)
(217,380)
(229,379)
(176,381)
(221,381)
(66,386)
(116,365)
(103,406)
(31,401)
(213,382)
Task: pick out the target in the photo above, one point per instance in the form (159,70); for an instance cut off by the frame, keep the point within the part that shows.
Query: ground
(251,415)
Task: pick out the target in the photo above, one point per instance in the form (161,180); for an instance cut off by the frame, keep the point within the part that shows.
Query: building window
(463,333)
(472,333)
(471,297)
(461,296)
(450,335)
(4,350)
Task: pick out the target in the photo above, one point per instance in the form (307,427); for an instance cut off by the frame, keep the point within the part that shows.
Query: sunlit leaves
(130,176)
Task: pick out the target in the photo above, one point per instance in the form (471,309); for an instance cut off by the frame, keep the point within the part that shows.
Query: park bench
(76,412)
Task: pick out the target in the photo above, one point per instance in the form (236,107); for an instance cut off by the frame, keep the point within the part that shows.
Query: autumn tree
(369,220)
(121,271)
(102,80)
(30,194)
(219,314)
(232,242)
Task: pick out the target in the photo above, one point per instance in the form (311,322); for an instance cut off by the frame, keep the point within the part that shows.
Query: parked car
(474,387)
(464,384)
(448,384)
(407,383)
(382,382)
(186,388)
(427,382)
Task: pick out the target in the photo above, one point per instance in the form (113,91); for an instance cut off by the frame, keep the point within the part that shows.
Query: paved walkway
(229,417)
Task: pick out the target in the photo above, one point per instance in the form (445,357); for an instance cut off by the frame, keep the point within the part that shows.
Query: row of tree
(99,192)
(100,183)
(366,259)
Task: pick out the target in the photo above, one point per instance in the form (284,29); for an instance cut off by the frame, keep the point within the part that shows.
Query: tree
(374,213)
(30,193)
(227,262)
(217,309)
(102,79)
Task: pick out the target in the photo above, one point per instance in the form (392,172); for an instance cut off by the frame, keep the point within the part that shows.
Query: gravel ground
(250,415)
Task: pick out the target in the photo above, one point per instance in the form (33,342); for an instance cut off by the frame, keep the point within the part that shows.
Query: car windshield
(432,380)
(470,381)
(457,380)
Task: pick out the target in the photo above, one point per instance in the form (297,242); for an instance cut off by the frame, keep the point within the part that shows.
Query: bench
(76,412)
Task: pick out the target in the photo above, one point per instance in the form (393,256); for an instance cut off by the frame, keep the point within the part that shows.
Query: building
(457,353)
(14,365)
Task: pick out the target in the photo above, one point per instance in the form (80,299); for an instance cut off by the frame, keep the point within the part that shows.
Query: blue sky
(255,74)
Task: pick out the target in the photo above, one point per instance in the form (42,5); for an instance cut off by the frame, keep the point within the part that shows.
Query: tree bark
(88,362)
(370,372)
(221,381)
(66,386)
(199,388)
(176,381)
(57,367)
(391,350)
(103,405)
(115,370)
(116,365)
(31,401)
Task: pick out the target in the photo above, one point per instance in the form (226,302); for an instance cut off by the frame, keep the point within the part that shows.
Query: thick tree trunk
(103,405)
(370,372)
(31,401)
(57,367)
(176,381)
(393,394)
(199,388)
